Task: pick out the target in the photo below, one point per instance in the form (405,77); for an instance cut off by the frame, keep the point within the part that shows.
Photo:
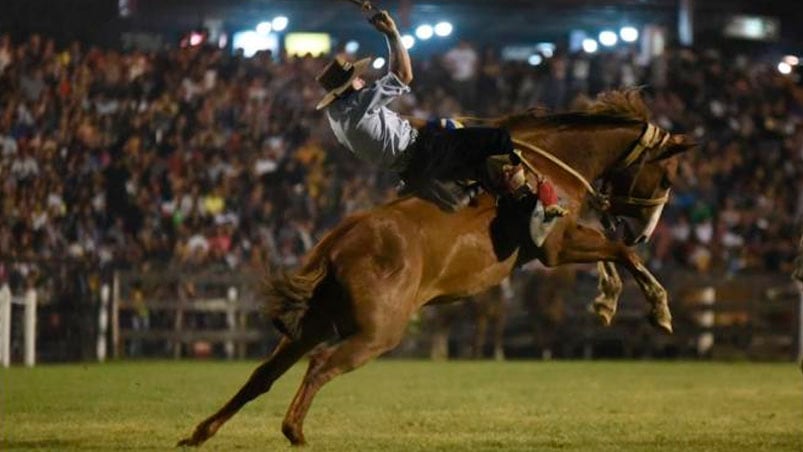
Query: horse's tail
(288,295)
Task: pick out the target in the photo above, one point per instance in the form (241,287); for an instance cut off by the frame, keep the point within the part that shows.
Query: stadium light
(252,42)
(352,47)
(280,23)
(608,38)
(547,49)
(424,32)
(784,68)
(196,39)
(264,28)
(535,60)
(443,29)
(590,45)
(791,60)
(408,41)
(629,34)
(379,63)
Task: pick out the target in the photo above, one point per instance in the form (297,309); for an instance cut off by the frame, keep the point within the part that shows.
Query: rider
(362,123)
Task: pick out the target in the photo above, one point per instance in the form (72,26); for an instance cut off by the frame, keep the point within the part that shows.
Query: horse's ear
(677,144)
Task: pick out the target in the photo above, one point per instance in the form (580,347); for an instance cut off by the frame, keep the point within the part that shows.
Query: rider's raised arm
(399,58)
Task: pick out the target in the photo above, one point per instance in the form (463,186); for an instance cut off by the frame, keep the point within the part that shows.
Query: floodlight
(590,45)
(280,23)
(424,32)
(352,47)
(608,38)
(408,41)
(443,29)
(629,34)
(264,28)
(379,63)
(196,39)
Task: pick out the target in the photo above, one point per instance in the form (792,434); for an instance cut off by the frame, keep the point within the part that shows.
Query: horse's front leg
(581,244)
(610,288)
(660,315)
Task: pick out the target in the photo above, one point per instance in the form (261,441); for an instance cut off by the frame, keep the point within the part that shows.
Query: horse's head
(639,188)
(588,145)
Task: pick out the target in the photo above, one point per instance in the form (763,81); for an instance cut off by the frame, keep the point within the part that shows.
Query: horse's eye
(666,182)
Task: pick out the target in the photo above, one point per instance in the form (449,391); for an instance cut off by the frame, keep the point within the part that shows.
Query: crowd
(196,157)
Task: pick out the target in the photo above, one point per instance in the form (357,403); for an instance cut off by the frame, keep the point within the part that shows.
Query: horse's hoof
(604,312)
(662,319)
(189,442)
(294,435)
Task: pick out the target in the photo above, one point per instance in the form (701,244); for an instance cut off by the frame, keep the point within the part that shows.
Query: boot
(515,182)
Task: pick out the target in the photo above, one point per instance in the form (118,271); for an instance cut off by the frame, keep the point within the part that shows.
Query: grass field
(414,405)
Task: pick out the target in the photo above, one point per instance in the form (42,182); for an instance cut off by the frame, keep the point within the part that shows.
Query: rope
(560,163)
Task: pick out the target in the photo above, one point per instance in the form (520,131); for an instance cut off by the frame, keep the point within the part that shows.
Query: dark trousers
(455,154)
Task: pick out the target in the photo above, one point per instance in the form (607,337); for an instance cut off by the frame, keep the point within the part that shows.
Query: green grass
(413,405)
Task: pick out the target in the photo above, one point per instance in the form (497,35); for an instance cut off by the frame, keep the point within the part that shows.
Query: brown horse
(361,284)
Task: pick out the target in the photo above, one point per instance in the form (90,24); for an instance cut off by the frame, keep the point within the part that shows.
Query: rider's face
(358,84)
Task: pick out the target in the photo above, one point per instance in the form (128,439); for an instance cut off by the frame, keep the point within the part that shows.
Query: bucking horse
(352,298)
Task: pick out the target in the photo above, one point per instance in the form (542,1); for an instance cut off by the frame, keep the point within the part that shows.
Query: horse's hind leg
(339,359)
(284,356)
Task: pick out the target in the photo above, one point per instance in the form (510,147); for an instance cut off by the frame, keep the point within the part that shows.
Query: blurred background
(156,155)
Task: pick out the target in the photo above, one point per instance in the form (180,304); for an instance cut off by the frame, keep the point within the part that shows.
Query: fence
(755,316)
(182,314)
(176,315)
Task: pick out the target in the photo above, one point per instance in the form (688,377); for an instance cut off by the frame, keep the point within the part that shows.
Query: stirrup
(555,210)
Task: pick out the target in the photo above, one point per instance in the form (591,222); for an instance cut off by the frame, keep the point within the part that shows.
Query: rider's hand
(384,23)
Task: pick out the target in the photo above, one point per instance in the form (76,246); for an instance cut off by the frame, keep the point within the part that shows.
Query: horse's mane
(620,106)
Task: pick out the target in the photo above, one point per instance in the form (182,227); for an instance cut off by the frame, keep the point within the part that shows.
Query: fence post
(103,321)
(116,314)
(800,322)
(30,327)
(231,320)
(5,325)
(706,319)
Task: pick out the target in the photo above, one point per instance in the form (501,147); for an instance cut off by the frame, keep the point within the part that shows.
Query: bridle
(653,138)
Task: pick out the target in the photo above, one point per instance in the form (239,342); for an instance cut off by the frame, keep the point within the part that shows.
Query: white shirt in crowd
(462,63)
(362,122)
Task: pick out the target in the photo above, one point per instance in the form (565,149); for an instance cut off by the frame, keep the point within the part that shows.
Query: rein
(653,137)
(560,163)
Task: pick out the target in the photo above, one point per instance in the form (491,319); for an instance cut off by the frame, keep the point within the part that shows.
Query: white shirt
(462,63)
(362,122)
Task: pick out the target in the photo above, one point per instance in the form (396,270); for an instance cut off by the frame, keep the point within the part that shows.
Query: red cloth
(547,194)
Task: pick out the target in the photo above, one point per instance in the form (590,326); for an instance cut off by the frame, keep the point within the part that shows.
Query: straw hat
(336,78)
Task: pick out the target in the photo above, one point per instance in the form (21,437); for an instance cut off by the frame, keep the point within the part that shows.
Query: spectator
(193,156)
(462,63)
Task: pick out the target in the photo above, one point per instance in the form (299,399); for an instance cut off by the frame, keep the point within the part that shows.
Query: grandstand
(141,147)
